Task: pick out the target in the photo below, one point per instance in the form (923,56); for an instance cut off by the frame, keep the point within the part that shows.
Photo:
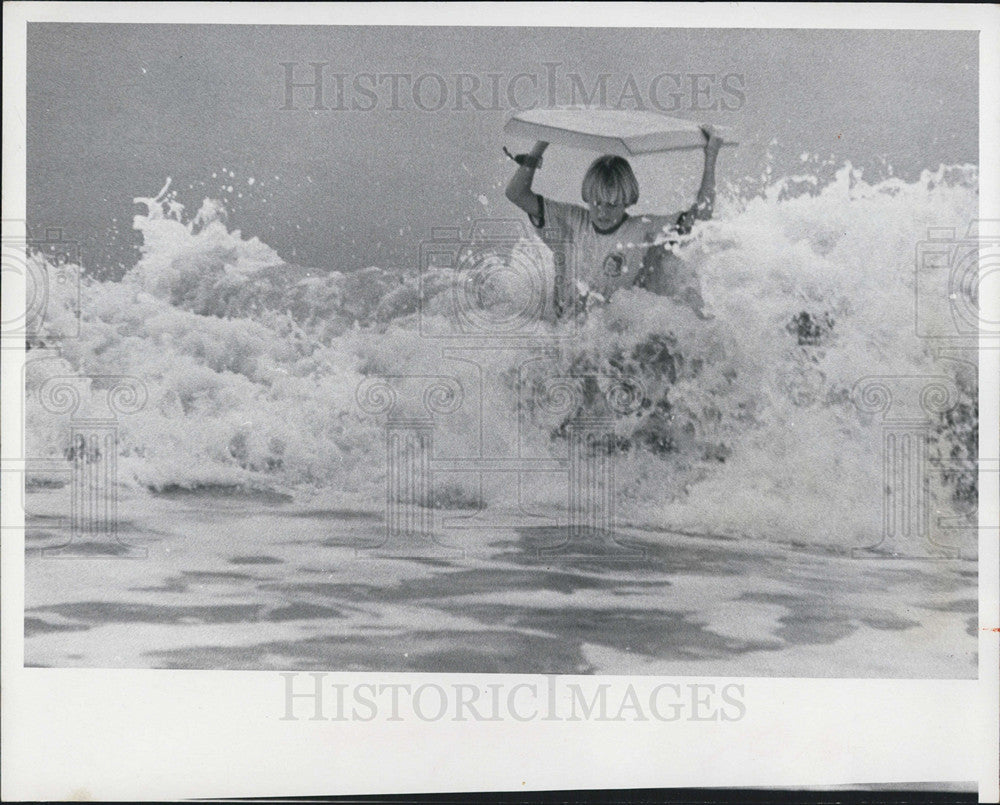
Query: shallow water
(241,582)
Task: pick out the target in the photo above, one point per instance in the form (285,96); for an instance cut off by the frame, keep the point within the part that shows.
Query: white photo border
(121,734)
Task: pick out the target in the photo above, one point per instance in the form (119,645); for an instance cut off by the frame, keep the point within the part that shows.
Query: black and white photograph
(540,351)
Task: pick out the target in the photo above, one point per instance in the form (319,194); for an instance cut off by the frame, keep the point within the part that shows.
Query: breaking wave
(749,422)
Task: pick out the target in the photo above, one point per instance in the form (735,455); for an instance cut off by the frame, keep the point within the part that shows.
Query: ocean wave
(744,423)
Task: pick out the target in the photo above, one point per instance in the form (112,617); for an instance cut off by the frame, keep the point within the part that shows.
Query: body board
(622,132)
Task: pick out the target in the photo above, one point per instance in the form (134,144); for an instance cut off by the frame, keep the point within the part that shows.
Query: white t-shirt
(631,254)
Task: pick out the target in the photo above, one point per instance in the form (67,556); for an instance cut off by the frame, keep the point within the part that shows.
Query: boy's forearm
(520,182)
(519,187)
(706,193)
(526,173)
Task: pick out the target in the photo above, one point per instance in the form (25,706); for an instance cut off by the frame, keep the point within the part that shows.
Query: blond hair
(610,179)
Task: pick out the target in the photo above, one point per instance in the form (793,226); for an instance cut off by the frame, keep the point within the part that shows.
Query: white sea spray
(252,364)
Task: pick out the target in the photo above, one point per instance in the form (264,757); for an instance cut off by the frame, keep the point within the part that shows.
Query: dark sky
(115,109)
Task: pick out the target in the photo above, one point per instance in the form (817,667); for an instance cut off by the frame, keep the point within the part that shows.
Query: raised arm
(705,204)
(519,187)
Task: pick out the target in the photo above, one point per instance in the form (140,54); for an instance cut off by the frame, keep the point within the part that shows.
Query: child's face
(606,214)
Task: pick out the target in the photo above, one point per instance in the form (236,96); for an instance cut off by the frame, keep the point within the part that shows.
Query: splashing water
(742,424)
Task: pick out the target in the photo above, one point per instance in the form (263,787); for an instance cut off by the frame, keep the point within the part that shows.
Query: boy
(612,250)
